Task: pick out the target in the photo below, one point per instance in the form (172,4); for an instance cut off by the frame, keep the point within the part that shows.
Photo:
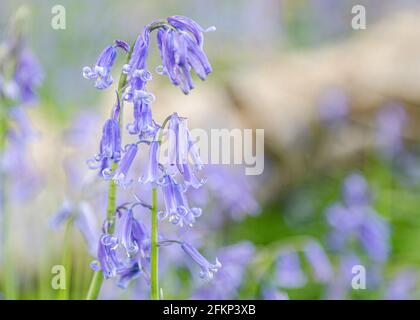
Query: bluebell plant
(128,248)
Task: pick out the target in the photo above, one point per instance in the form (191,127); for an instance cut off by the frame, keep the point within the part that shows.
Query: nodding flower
(177,210)
(125,233)
(181,147)
(152,175)
(136,70)
(207,269)
(107,256)
(181,49)
(110,144)
(101,72)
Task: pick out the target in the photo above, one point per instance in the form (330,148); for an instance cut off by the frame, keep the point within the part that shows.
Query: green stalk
(154,254)
(97,279)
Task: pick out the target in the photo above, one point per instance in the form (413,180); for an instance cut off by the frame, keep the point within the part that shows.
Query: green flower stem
(154,254)
(97,280)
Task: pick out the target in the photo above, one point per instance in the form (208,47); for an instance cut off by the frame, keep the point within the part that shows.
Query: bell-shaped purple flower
(110,144)
(180,148)
(136,70)
(107,256)
(101,72)
(289,272)
(143,123)
(177,210)
(28,76)
(182,50)
(319,262)
(125,232)
(207,269)
(152,175)
(188,25)
(120,175)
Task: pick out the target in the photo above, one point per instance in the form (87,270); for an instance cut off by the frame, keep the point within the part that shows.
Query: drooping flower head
(289,272)
(319,262)
(120,176)
(101,72)
(110,144)
(181,49)
(207,269)
(181,149)
(177,210)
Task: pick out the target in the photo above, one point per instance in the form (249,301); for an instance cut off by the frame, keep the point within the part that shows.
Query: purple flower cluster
(358,231)
(289,273)
(20,78)
(355,219)
(126,252)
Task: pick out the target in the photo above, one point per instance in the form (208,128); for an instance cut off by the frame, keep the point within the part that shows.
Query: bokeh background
(341,114)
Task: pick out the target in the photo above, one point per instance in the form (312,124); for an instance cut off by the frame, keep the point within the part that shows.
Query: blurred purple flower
(355,190)
(28,76)
(288,270)
(390,121)
(333,107)
(274,294)
(318,260)
(374,237)
(402,286)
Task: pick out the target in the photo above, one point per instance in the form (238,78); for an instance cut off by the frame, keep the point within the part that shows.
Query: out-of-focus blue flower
(101,72)
(237,199)
(390,122)
(28,76)
(402,286)
(288,270)
(274,294)
(182,49)
(120,176)
(84,219)
(333,107)
(355,190)
(319,262)
(342,282)
(207,268)
(374,237)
